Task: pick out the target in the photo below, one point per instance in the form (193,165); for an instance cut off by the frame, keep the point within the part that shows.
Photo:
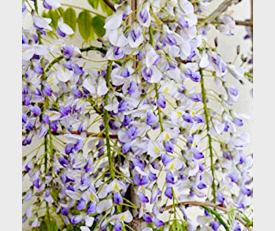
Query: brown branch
(220,9)
(238,22)
(251,26)
(110,4)
(212,205)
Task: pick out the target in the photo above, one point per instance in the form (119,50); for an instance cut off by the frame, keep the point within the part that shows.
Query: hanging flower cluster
(140,136)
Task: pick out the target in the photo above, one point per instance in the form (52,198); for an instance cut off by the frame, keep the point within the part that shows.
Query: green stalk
(86,49)
(46,153)
(156,85)
(218,216)
(207,121)
(38,32)
(106,122)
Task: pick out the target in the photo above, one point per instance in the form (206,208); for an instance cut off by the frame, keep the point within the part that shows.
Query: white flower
(103,206)
(63,74)
(66,29)
(42,23)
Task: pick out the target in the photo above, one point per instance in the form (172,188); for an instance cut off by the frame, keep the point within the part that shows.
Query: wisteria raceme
(138,139)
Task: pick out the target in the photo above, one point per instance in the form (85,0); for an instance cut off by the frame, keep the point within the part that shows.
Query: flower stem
(106,122)
(156,85)
(207,121)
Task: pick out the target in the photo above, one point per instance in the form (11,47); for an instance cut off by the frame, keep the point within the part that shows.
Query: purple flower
(117,198)
(170,178)
(24,118)
(69,148)
(64,212)
(158,223)
(141,181)
(122,106)
(246,191)
(135,35)
(147,218)
(238,122)
(169,146)
(126,147)
(137,162)
(47,90)
(61,33)
(54,126)
(201,186)
(142,198)
(38,69)
(152,119)
(147,73)
(161,101)
(118,226)
(152,176)
(233,177)
(187,118)
(195,76)
(169,192)
(215,225)
(144,15)
(36,111)
(183,23)
(198,118)
(133,88)
(220,198)
(237,227)
(132,133)
(81,204)
(165,159)
(63,161)
(76,93)
(197,154)
(196,97)
(126,121)
(78,70)
(68,51)
(125,73)
(75,219)
(91,208)
(171,40)
(118,53)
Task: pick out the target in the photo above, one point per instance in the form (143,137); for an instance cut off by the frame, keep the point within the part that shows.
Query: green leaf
(54,15)
(84,24)
(105,8)
(98,23)
(94,3)
(218,216)
(231,216)
(72,228)
(177,226)
(48,225)
(70,18)
(61,11)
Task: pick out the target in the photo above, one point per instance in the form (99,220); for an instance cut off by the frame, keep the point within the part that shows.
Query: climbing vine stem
(106,122)
(207,121)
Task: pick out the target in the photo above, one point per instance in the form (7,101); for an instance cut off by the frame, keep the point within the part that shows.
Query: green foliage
(84,22)
(72,228)
(48,225)
(98,25)
(218,217)
(93,3)
(105,8)
(54,15)
(177,226)
(70,18)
